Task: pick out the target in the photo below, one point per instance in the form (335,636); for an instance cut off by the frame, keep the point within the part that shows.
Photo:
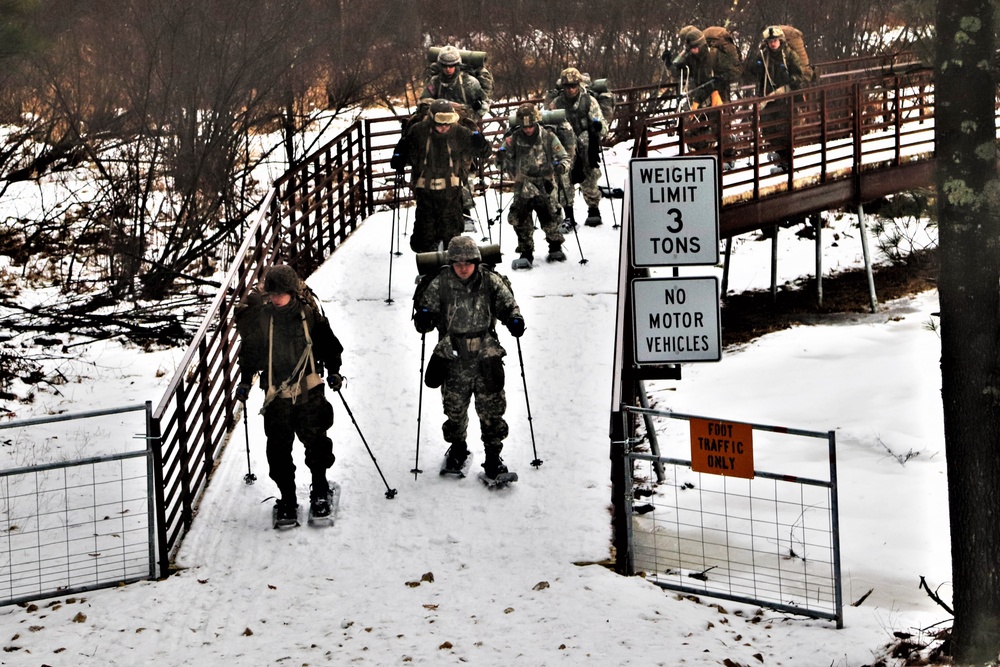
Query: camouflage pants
(588,188)
(438,218)
(520,217)
(309,420)
(482,377)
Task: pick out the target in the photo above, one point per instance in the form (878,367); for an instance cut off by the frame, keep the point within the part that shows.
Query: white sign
(675,211)
(676,320)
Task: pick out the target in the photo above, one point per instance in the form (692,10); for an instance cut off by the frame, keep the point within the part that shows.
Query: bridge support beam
(868,260)
(818,228)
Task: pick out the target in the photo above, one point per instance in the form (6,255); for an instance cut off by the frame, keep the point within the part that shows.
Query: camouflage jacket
(581,114)
(253,320)
(463,89)
(531,161)
(705,73)
(773,70)
(469,310)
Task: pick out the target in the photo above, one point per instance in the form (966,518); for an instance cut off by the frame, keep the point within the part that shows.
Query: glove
(562,167)
(596,126)
(423,320)
(516,327)
(242,392)
(665,56)
(478,140)
(397,162)
(335,381)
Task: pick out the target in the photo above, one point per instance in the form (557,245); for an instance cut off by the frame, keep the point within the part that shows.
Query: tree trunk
(970,317)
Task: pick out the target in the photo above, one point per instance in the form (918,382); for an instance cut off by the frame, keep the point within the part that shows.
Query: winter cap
(527,114)
(443,112)
(449,56)
(774,32)
(281,279)
(570,75)
(694,38)
(463,249)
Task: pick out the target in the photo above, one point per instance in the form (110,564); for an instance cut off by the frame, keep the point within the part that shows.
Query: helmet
(683,33)
(528,114)
(443,112)
(570,75)
(774,32)
(281,279)
(449,56)
(463,249)
(694,38)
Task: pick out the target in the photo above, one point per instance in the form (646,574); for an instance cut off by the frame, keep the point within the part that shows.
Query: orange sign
(722,448)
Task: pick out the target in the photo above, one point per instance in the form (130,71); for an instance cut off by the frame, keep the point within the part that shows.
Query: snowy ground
(451,572)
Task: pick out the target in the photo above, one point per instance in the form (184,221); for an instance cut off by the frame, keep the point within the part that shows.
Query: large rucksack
(729,64)
(793,37)
(473,63)
(605,98)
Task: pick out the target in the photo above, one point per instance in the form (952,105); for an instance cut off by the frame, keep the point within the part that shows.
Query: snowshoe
(593,217)
(456,466)
(470,224)
(323,509)
(501,480)
(522,262)
(285,515)
(495,473)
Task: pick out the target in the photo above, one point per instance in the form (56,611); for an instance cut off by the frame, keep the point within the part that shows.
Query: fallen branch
(934,596)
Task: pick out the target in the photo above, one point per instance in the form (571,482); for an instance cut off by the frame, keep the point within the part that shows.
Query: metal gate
(771,540)
(83,524)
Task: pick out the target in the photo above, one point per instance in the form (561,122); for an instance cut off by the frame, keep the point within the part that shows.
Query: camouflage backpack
(729,63)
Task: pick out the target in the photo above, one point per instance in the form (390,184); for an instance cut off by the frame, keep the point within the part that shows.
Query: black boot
(455,459)
(555,253)
(494,464)
(593,217)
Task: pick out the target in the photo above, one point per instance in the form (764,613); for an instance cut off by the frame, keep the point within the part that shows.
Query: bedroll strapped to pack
(793,37)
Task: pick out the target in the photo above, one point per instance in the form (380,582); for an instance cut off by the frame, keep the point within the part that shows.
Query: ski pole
(607,180)
(572,219)
(520,357)
(389,493)
(392,234)
(248,478)
(420,404)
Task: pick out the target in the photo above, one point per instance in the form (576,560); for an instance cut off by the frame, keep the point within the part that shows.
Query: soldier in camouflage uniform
(533,156)
(777,69)
(287,339)
(455,85)
(469,99)
(439,150)
(584,114)
(464,302)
